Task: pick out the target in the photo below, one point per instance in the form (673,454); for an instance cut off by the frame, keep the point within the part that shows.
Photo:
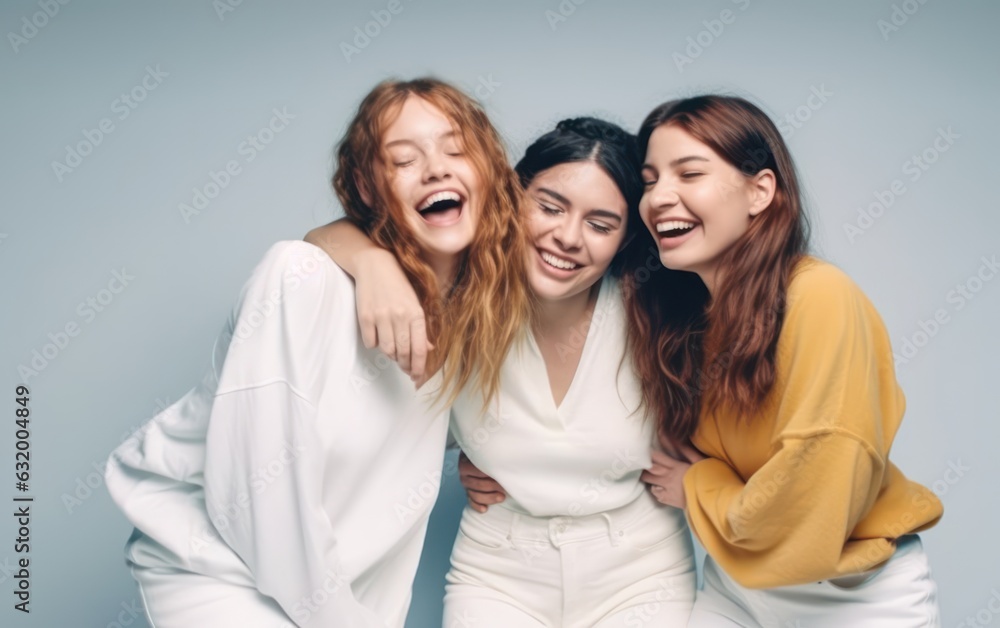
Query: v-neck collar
(587,347)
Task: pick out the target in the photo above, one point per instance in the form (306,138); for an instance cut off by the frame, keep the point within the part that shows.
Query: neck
(561,314)
(711,278)
(445,268)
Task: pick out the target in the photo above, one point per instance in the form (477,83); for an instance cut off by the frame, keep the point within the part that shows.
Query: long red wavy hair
(490,305)
(694,353)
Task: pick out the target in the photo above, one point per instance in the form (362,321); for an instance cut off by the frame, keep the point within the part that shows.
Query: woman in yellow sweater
(778,369)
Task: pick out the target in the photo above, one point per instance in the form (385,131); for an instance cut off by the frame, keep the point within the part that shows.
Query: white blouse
(581,457)
(303,464)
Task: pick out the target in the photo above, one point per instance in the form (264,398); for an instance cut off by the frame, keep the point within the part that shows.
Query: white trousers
(899,594)
(181,599)
(629,567)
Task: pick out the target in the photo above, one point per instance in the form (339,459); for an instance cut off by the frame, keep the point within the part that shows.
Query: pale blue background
(61,241)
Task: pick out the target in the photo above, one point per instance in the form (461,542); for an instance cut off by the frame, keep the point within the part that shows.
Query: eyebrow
(677,162)
(604,213)
(445,135)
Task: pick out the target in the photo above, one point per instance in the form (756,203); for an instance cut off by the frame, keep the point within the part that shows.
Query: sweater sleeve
(788,522)
(264,461)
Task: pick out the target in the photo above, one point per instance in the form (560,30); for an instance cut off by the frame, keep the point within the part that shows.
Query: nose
(568,234)
(662,194)
(435,167)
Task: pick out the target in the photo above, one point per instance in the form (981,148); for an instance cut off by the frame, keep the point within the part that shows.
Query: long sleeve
(786,515)
(788,523)
(264,461)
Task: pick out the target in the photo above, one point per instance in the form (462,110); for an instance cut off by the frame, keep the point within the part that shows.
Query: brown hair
(489,305)
(693,351)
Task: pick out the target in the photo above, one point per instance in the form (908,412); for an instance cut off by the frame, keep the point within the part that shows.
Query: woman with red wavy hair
(253,497)
(778,369)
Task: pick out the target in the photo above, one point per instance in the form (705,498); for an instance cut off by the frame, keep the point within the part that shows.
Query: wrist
(371,258)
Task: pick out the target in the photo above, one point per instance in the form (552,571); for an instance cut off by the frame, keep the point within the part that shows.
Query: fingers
(654,479)
(401,333)
(418,347)
(477,506)
(664,460)
(369,331)
(386,338)
(481,484)
(486,499)
(692,454)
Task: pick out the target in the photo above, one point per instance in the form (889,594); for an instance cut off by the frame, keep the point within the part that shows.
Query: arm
(481,489)
(264,458)
(790,521)
(389,312)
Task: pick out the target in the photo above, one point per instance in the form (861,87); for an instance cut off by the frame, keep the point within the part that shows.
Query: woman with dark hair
(778,369)
(252,497)
(574,538)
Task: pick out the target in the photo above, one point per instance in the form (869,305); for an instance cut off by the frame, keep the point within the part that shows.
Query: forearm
(346,244)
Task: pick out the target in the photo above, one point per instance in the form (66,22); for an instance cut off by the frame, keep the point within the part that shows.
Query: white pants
(899,594)
(181,599)
(629,567)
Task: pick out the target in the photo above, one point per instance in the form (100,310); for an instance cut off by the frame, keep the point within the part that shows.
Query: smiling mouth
(674,228)
(441,208)
(557,262)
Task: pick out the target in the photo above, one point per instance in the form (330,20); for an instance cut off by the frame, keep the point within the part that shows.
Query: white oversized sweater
(303,464)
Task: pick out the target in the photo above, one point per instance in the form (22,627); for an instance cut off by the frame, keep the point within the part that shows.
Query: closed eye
(691,174)
(599,227)
(552,211)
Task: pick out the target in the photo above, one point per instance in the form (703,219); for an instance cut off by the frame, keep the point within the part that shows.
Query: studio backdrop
(153,151)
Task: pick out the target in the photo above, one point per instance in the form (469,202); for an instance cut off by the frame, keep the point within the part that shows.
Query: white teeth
(670,225)
(447,195)
(557,262)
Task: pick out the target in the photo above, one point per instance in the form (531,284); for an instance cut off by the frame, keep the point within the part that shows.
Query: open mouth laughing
(442,208)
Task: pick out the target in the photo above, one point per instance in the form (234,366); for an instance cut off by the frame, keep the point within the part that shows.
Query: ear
(762,187)
(366,195)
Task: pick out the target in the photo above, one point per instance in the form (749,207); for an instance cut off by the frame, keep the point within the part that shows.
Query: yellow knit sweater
(804,491)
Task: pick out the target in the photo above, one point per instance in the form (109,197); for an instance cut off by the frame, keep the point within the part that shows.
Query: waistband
(565,528)
(904,545)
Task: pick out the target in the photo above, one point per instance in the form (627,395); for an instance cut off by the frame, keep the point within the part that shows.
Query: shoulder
(814,278)
(820,289)
(300,270)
